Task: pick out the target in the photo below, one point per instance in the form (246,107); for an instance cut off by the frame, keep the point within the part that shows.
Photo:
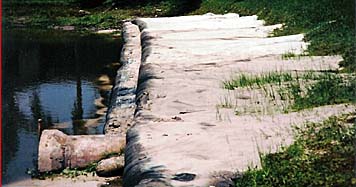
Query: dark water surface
(50,76)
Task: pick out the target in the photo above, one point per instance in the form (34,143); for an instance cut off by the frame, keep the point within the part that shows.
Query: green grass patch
(322,155)
(95,21)
(245,80)
(300,90)
(88,15)
(328,89)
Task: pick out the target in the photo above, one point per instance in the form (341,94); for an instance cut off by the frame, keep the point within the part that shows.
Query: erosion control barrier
(123,99)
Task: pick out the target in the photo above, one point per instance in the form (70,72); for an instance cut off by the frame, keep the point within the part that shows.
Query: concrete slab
(181,136)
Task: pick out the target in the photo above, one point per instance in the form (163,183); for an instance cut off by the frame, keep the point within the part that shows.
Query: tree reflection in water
(48,76)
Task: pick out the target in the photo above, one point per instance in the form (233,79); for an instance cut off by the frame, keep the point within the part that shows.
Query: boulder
(113,166)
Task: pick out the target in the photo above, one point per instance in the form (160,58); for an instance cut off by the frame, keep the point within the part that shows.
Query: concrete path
(182,136)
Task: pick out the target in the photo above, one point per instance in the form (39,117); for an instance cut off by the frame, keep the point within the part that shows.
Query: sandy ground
(181,126)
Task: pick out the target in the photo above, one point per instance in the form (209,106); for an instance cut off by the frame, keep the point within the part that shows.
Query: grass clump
(244,80)
(322,155)
(292,91)
(327,90)
(306,90)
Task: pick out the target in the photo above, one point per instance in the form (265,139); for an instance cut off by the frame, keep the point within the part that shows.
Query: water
(50,76)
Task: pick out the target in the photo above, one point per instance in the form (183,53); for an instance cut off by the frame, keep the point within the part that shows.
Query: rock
(113,166)
(65,28)
(107,31)
(83,12)
(99,103)
(68,28)
(184,177)
(105,88)
(224,178)
(104,79)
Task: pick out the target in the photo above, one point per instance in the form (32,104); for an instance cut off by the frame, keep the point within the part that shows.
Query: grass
(51,16)
(67,172)
(71,173)
(288,55)
(322,155)
(245,80)
(97,15)
(297,91)
(226,102)
(327,90)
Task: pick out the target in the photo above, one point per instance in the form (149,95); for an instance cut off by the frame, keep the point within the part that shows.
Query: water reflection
(49,76)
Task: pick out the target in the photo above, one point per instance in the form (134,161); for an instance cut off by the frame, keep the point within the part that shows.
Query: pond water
(51,76)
